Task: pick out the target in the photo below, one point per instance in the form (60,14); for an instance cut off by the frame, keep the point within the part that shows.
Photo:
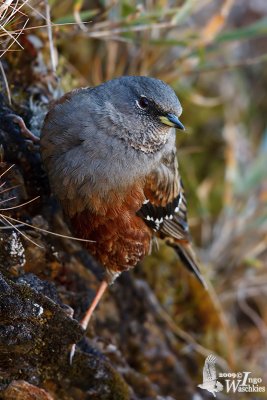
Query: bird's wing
(165,207)
(209,370)
(219,386)
(165,210)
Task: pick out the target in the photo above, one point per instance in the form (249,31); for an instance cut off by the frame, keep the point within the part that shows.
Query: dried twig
(19,205)
(4,7)
(7,220)
(6,171)
(48,232)
(50,38)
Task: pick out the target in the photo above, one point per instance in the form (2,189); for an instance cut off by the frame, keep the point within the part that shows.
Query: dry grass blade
(8,189)
(36,11)
(4,201)
(15,10)
(14,39)
(46,231)
(36,27)
(6,171)
(11,15)
(8,227)
(111,33)
(11,36)
(4,7)
(18,206)
(7,220)
(50,38)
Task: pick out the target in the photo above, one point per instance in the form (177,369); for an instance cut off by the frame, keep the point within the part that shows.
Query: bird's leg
(85,321)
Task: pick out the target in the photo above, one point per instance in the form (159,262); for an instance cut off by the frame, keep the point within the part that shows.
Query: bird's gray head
(140,110)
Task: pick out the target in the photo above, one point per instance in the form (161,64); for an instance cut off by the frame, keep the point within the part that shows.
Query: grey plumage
(98,142)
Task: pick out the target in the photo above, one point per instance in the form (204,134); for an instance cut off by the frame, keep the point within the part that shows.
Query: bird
(110,155)
(210,382)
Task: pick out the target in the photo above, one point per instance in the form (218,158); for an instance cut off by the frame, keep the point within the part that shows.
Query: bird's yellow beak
(172,120)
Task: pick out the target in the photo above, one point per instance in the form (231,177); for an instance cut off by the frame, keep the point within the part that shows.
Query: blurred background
(213,53)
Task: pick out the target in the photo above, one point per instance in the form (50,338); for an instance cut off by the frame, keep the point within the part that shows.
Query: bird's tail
(187,256)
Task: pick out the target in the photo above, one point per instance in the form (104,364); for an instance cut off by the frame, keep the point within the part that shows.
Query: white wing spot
(178,205)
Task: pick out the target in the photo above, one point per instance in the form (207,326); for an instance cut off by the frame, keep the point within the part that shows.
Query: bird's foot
(23,128)
(85,321)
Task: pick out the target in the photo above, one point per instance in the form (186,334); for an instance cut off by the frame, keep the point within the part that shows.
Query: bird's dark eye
(143,102)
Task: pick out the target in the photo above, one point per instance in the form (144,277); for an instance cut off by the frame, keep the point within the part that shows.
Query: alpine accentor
(110,155)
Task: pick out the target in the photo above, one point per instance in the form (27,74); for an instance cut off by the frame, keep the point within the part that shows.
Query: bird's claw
(23,128)
(72,352)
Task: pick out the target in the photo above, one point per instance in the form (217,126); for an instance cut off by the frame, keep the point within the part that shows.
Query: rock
(21,390)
